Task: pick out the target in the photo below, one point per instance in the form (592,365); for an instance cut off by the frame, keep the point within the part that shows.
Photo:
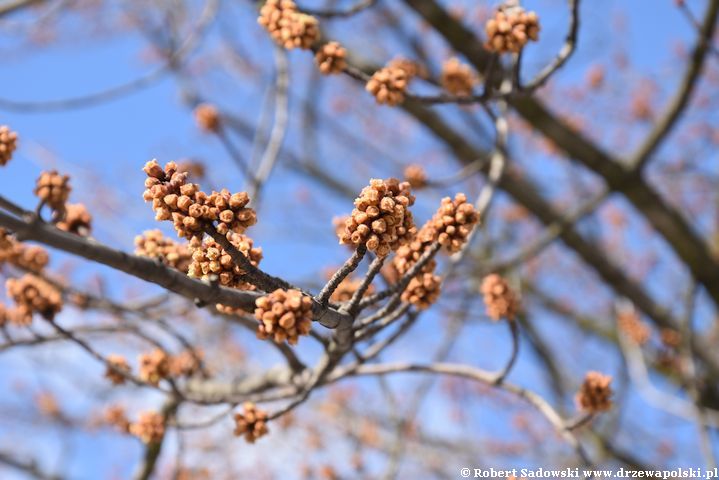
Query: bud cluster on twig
(381,219)
(499,299)
(288,26)
(284,315)
(210,259)
(510,29)
(32,258)
(8,144)
(32,294)
(251,423)
(153,244)
(189,208)
(595,393)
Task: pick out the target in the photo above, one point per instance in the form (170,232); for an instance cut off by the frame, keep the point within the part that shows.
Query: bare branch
(684,92)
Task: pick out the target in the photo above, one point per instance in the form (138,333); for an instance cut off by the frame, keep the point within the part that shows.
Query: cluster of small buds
(153,244)
(670,338)
(284,315)
(119,366)
(186,364)
(48,405)
(154,366)
(115,416)
(452,223)
(287,25)
(347,288)
(381,219)
(339,225)
(510,29)
(630,324)
(13,316)
(416,176)
(330,58)
(595,393)
(408,255)
(457,78)
(210,259)
(388,85)
(32,294)
(499,299)
(411,67)
(251,423)
(207,117)
(27,257)
(8,144)
(53,189)
(149,428)
(423,290)
(77,220)
(191,209)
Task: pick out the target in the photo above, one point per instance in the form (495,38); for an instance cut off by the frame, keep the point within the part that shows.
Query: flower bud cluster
(510,29)
(381,219)
(287,25)
(284,315)
(190,209)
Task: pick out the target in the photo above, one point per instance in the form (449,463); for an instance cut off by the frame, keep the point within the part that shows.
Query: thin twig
(565,52)
(349,266)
